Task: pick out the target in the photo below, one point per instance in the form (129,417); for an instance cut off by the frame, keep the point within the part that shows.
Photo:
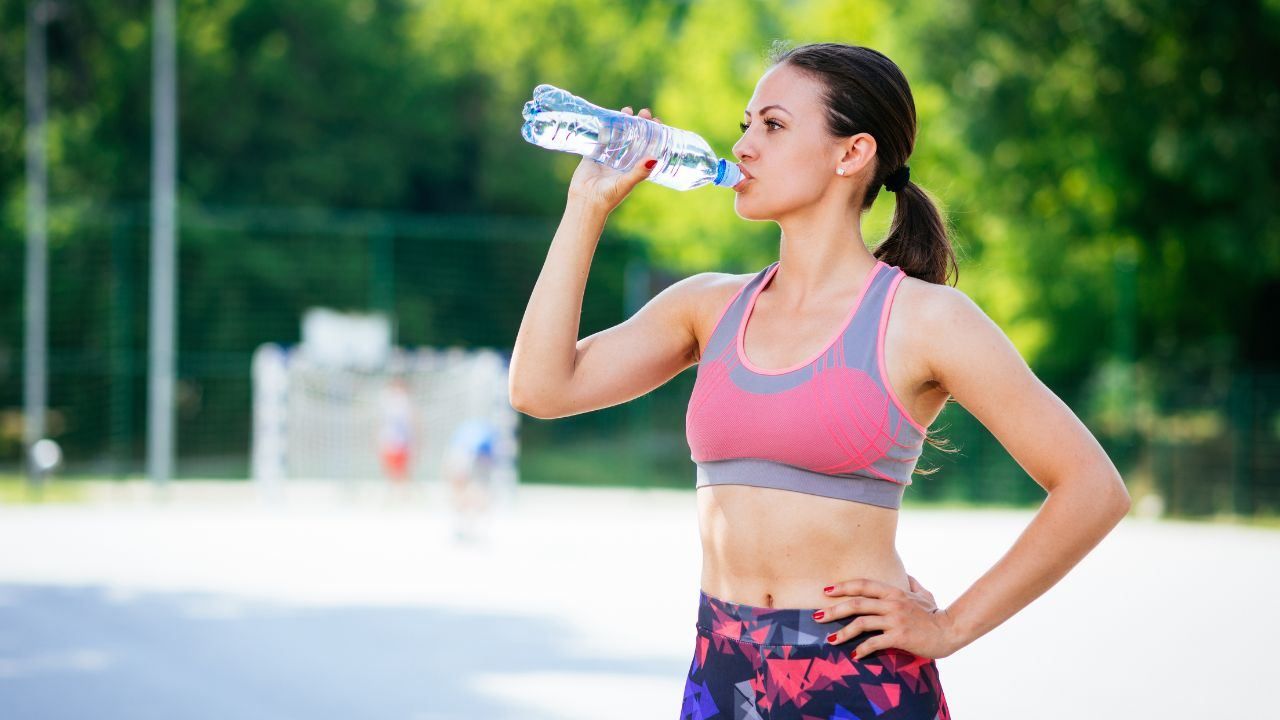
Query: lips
(746,178)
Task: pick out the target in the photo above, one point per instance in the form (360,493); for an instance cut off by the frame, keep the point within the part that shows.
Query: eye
(744,126)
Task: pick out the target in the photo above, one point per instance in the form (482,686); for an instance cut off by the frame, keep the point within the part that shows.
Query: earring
(839,171)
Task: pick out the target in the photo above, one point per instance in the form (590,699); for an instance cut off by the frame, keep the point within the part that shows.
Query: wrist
(587,209)
(956,631)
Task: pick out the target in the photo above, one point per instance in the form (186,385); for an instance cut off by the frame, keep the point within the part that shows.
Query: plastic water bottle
(557,120)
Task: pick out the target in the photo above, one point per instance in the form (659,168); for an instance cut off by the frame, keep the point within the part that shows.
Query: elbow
(527,406)
(1120,500)
(1105,495)
(1111,489)
(524,410)
(520,404)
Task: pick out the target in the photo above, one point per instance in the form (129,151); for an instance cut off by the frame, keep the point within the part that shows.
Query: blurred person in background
(817,379)
(469,466)
(395,437)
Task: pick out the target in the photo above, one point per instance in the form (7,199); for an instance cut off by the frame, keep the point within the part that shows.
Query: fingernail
(650,164)
(831,638)
(829,588)
(818,615)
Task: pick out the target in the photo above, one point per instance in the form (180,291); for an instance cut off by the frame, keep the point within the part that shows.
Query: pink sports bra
(829,426)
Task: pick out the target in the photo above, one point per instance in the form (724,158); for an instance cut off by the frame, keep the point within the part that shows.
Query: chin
(750,211)
(744,208)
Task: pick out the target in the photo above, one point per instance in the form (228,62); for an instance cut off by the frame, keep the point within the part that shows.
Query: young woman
(817,379)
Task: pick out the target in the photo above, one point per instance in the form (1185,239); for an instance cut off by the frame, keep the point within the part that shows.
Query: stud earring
(839,171)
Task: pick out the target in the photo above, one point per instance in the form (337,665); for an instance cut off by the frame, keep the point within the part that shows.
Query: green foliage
(1115,130)
(1108,167)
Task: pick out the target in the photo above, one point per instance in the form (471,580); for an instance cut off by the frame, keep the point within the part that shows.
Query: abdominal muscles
(777,548)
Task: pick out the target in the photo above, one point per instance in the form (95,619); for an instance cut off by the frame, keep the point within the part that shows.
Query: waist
(794,593)
(775,548)
(769,626)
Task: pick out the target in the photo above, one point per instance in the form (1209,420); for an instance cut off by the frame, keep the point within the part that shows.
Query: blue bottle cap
(727,174)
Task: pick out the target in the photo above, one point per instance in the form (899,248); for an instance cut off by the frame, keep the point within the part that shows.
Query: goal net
(345,404)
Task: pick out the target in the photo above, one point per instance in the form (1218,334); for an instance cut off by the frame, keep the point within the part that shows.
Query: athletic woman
(817,380)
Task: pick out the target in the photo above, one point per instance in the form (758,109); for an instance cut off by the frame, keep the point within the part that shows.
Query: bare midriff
(778,548)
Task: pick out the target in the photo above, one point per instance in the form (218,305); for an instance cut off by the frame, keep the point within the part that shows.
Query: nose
(742,149)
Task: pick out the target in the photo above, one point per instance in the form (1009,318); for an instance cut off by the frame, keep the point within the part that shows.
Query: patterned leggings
(755,663)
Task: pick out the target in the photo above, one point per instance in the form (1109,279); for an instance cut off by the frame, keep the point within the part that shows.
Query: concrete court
(209,603)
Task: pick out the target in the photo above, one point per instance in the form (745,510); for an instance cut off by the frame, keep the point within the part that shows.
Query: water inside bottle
(557,130)
(558,121)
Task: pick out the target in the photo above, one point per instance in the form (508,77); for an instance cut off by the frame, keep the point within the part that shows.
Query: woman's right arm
(552,373)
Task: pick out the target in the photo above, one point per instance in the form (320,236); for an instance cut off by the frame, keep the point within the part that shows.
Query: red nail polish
(829,588)
(650,164)
(818,615)
(831,637)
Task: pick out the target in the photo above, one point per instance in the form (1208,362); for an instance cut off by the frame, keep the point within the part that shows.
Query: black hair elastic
(897,179)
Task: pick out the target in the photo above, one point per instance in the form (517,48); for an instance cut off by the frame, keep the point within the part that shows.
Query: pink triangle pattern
(753,663)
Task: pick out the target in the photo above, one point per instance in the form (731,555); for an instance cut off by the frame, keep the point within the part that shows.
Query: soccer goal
(345,404)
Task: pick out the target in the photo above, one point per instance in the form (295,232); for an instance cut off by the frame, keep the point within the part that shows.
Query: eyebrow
(766,107)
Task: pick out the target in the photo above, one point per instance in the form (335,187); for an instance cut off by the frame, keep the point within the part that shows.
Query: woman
(812,403)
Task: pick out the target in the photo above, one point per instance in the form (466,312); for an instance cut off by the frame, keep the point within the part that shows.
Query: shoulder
(928,303)
(697,294)
(718,288)
(948,328)
(705,296)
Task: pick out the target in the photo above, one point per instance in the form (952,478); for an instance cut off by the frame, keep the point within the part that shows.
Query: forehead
(784,85)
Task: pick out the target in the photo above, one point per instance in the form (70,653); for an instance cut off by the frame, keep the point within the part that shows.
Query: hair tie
(898,179)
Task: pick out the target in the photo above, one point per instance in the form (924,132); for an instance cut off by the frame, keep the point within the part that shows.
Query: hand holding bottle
(601,186)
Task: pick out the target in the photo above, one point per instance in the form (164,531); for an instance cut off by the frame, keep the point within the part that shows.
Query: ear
(858,154)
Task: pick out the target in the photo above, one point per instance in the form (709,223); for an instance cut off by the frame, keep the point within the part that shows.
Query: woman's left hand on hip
(910,619)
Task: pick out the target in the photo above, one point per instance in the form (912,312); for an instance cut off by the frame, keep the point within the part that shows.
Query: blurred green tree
(1143,134)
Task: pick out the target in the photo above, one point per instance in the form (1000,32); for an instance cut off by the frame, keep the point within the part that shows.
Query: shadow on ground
(79,652)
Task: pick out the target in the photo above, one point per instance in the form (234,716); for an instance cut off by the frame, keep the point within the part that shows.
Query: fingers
(869,646)
(644,113)
(872,644)
(856,606)
(857,627)
(862,586)
(919,589)
(646,165)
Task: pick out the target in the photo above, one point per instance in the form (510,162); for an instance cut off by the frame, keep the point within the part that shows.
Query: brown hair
(866,92)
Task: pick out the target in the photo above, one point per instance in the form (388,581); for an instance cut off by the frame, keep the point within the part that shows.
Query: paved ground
(209,604)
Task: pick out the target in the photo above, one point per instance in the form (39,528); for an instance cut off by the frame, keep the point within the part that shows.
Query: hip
(776,663)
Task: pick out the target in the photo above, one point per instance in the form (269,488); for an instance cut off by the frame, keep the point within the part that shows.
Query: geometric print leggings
(757,663)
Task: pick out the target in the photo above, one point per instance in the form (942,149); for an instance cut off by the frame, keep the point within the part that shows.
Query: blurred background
(1109,168)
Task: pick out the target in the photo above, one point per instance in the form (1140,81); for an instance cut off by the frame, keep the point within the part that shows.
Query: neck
(821,257)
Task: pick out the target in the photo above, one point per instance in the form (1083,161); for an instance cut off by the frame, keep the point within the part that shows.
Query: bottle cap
(728,174)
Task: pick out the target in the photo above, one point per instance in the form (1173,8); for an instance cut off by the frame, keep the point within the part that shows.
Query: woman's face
(785,149)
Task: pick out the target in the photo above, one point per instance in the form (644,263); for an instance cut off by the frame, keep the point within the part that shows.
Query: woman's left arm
(977,364)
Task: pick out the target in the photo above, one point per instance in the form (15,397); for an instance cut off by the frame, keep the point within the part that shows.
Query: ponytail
(917,241)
